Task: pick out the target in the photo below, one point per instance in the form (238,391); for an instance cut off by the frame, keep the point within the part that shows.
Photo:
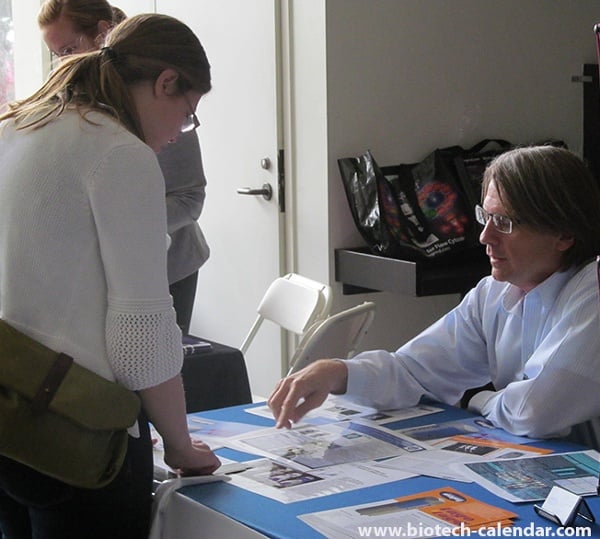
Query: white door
(239,140)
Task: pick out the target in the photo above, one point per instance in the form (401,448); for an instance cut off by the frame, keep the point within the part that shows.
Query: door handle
(266,191)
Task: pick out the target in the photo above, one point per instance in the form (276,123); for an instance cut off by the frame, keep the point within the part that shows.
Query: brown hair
(137,50)
(84,14)
(550,189)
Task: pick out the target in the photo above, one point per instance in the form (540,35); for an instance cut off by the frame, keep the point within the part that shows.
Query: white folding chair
(293,302)
(338,336)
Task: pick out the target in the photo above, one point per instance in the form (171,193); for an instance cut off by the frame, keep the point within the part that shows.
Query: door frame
(288,229)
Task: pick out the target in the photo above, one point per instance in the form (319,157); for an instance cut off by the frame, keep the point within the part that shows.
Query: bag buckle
(49,386)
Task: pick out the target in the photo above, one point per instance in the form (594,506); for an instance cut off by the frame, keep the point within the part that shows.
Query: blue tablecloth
(278,520)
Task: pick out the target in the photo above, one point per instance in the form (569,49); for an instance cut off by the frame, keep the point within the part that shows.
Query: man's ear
(565,242)
(166,83)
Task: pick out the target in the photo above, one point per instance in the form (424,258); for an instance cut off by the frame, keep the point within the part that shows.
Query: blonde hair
(138,49)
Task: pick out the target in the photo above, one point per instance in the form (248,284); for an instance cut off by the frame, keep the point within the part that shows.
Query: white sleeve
(127,197)
(440,363)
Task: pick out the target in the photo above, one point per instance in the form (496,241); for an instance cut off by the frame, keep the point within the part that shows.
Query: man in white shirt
(531,329)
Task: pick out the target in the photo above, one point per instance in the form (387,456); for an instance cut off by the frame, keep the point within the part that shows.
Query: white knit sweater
(83,249)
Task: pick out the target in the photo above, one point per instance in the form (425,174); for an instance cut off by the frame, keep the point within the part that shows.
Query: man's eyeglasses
(502,223)
(191,122)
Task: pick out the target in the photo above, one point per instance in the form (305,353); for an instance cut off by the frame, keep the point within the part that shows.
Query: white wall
(133,7)
(403,77)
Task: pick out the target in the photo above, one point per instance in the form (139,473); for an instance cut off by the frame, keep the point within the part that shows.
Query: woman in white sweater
(83,257)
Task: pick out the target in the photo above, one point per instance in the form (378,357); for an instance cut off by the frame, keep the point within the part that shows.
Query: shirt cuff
(354,382)
(479,401)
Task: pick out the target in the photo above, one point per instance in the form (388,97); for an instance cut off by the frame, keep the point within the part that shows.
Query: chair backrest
(335,337)
(293,302)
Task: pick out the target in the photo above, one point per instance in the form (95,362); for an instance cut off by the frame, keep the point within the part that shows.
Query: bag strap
(51,383)
(501,143)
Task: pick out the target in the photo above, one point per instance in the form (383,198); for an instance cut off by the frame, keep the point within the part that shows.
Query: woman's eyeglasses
(72,48)
(191,122)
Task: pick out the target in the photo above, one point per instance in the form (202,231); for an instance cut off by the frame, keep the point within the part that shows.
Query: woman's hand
(165,406)
(196,459)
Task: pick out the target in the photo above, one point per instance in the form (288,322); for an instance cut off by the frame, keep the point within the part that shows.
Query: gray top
(181,164)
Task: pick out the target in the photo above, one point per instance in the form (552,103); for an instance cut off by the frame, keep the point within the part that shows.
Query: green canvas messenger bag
(59,418)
